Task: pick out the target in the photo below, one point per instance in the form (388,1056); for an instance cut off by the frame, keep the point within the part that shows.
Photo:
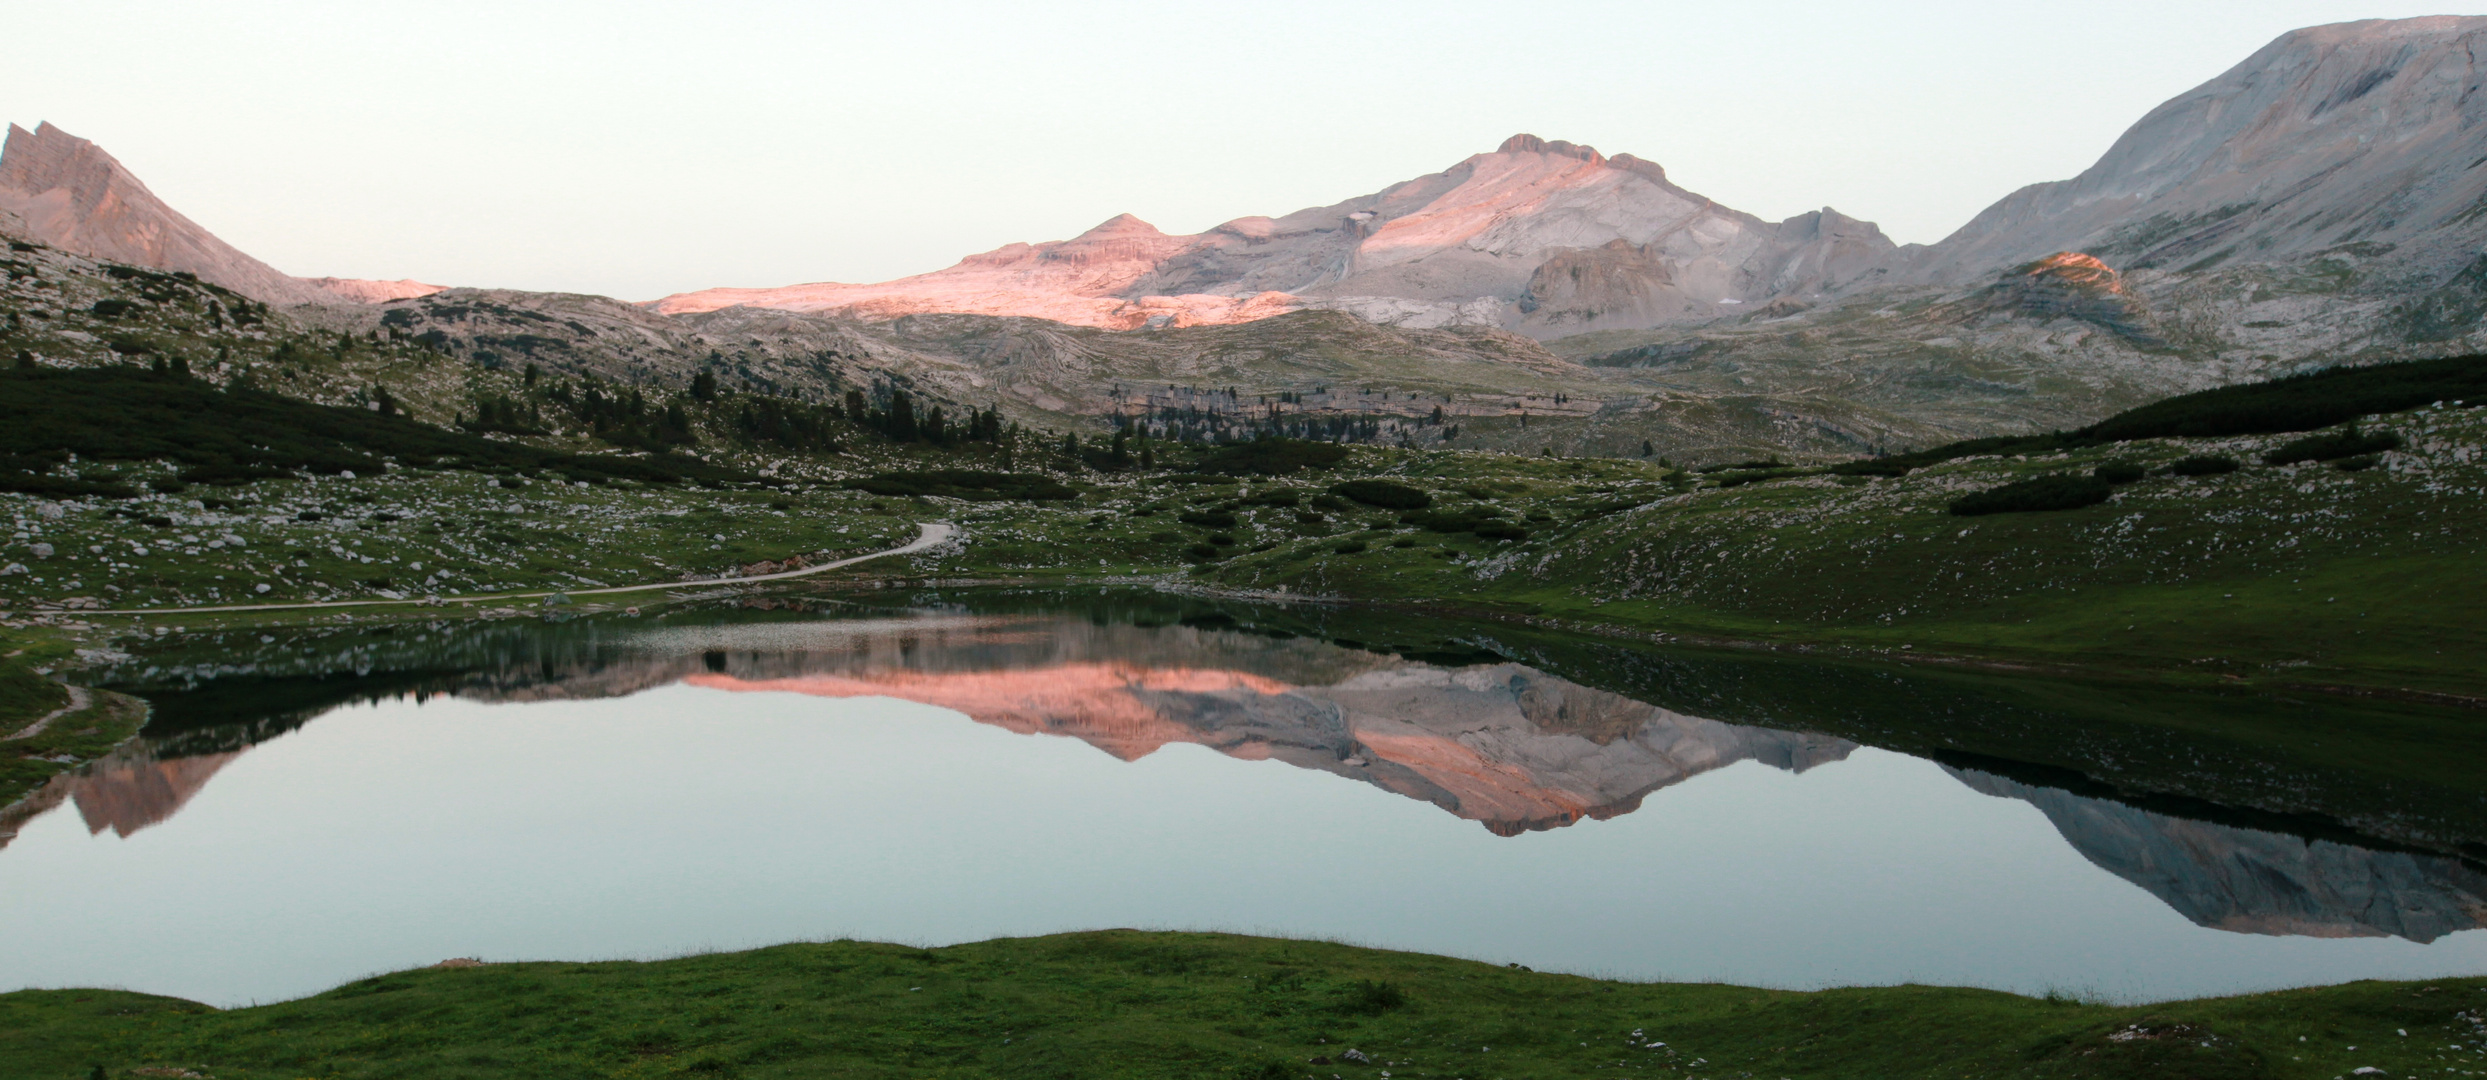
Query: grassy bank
(1126,1003)
(29,695)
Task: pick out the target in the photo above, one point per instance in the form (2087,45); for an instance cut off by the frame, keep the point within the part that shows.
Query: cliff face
(2255,882)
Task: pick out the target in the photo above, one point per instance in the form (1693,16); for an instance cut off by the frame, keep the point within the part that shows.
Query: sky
(642,149)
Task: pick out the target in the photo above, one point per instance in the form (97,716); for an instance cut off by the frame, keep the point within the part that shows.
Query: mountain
(2255,882)
(67,192)
(1544,237)
(2365,134)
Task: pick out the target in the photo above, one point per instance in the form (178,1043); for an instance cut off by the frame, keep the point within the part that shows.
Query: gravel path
(932,534)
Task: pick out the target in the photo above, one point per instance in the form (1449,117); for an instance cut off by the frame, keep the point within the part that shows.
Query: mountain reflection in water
(1503,744)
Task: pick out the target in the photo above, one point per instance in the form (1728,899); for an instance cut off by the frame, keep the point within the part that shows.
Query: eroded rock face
(2068,285)
(2255,882)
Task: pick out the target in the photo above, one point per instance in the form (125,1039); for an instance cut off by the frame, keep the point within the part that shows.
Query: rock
(1358,1056)
(42,551)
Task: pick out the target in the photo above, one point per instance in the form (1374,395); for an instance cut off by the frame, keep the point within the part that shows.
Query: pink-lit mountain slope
(1543,237)
(67,192)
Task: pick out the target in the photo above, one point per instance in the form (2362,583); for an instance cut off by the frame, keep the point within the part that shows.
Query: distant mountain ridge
(69,193)
(1470,245)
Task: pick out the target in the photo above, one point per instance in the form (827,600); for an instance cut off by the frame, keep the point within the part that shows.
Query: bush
(2204,465)
(1352,547)
(1331,503)
(1195,478)
(1384,494)
(2119,472)
(1404,542)
(1272,457)
(1222,539)
(2332,446)
(1500,530)
(2060,491)
(237,435)
(2360,463)
(975,485)
(1201,552)
(1208,519)
(1872,467)
(113,309)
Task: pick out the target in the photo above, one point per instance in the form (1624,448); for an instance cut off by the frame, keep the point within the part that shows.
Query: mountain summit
(1466,245)
(69,193)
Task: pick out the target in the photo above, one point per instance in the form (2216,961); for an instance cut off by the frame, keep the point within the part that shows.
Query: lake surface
(309,809)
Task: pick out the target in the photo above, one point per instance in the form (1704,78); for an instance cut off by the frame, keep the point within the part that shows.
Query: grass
(1123,1003)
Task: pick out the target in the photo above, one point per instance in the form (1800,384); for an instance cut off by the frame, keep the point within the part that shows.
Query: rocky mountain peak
(74,196)
(1530,144)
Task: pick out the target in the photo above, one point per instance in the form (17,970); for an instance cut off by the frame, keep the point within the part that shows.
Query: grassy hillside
(1130,1004)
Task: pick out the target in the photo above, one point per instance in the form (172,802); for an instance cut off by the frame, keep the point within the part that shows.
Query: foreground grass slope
(1132,1004)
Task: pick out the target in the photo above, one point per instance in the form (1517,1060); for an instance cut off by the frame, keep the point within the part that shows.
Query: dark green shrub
(1369,998)
(972,484)
(1310,519)
(1222,539)
(2060,491)
(1272,457)
(1201,552)
(1275,497)
(2331,446)
(1498,530)
(1208,519)
(1195,478)
(1384,494)
(1872,467)
(2119,472)
(1352,547)
(2204,465)
(1331,503)
(2360,463)
(1404,542)
(113,309)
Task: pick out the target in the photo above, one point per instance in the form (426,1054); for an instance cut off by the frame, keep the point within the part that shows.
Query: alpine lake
(310,806)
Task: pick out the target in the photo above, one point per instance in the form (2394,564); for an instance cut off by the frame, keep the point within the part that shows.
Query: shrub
(1195,478)
(2060,491)
(2332,446)
(1872,467)
(975,485)
(1276,497)
(1404,542)
(1208,519)
(1331,503)
(1352,547)
(2204,465)
(1222,539)
(2119,472)
(2360,463)
(1384,494)
(1272,457)
(1201,552)
(1500,530)
(113,309)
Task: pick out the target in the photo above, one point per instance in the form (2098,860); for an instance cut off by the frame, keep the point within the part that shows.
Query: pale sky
(640,149)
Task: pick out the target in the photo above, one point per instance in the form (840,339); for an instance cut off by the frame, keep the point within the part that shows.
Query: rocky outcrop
(2256,882)
(2067,285)
(362,291)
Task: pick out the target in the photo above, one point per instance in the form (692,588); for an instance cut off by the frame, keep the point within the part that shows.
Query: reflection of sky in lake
(682,818)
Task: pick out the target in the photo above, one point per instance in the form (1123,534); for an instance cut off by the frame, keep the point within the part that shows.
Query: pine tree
(703,385)
(901,417)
